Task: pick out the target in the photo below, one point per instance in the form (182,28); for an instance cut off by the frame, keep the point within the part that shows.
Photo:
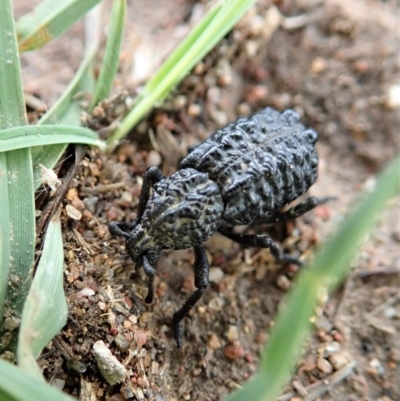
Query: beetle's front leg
(260,241)
(201,273)
(152,175)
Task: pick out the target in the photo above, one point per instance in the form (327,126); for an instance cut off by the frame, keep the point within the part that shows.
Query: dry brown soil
(335,62)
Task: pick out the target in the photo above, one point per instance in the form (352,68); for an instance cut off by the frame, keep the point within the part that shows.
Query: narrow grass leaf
(41,135)
(111,56)
(17,219)
(211,29)
(67,110)
(17,385)
(48,20)
(45,310)
(327,271)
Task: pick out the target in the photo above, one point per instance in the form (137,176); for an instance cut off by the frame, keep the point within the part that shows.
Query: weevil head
(140,243)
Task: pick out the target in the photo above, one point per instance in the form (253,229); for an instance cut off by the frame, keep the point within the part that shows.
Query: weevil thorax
(184,210)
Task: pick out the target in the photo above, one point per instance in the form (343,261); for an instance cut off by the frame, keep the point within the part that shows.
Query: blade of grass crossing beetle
(48,20)
(214,25)
(111,56)
(17,385)
(331,264)
(17,218)
(45,311)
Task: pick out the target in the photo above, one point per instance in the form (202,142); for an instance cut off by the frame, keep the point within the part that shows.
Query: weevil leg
(296,211)
(260,241)
(201,273)
(152,175)
(150,273)
(120,229)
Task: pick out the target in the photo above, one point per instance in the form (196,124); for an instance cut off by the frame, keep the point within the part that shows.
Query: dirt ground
(336,63)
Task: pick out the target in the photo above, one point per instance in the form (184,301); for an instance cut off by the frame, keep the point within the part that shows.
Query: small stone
(110,368)
(72,194)
(90,203)
(338,360)
(324,366)
(73,212)
(126,197)
(140,336)
(318,65)
(121,343)
(232,334)
(234,351)
(153,158)
(283,282)
(194,110)
(58,384)
(85,292)
(332,348)
(375,368)
(213,342)
(393,97)
(216,274)
(78,204)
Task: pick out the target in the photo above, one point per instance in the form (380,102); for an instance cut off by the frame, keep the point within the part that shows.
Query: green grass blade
(17,385)
(66,110)
(331,264)
(45,310)
(111,56)
(17,219)
(49,20)
(214,25)
(41,135)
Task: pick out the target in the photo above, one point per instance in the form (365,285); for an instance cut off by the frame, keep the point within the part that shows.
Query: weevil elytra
(244,173)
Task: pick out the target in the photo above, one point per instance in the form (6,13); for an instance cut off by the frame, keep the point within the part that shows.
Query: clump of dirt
(334,63)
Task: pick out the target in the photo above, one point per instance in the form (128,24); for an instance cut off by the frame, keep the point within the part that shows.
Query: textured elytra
(184,210)
(260,163)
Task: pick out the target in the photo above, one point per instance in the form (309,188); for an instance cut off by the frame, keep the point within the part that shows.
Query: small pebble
(72,194)
(318,65)
(73,212)
(140,336)
(126,197)
(216,274)
(78,204)
(194,110)
(324,366)
(283,282)
(338,360)
(121,342)
(85,292)
(393,97)
(58,384)
(213,342)
(110,368)
(90,203)
(153,158)
(232,334)
(376,368)
(234,351)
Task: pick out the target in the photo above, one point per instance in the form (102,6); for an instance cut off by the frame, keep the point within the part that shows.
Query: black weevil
(245,173)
